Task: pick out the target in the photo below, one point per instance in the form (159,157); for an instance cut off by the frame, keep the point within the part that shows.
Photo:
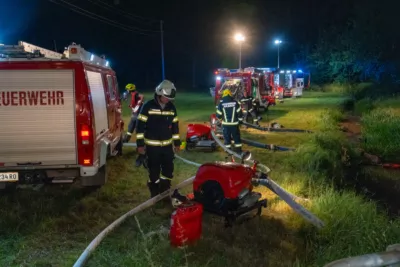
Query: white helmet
(167,89)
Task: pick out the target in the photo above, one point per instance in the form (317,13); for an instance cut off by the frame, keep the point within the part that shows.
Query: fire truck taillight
(85,134)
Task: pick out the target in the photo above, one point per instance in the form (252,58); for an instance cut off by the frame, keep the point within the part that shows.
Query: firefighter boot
(164,207)
(153,188)
(164,185)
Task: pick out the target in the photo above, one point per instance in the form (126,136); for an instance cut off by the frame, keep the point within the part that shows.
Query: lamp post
(240,39)
(278,43)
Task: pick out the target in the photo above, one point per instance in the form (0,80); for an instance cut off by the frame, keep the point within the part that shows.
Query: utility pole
(194,73)
(55,45)
(278,56)
(162,50)
(240,55)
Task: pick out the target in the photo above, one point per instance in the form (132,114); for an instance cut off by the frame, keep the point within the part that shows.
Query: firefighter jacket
(157,126)
(230,111)
(248,103)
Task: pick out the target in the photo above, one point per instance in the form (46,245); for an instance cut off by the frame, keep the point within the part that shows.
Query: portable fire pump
(238,81)
(199,136)
(226,189)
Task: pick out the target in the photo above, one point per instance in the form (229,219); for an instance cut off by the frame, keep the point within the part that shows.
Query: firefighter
(157,137)
(135,105)
(230,111)
(249,107)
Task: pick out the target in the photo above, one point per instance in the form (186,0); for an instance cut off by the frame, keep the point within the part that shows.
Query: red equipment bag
(186,224)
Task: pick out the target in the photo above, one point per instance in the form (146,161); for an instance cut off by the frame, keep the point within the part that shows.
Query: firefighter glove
(141,160)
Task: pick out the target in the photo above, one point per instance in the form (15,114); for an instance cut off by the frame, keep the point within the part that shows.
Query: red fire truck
(286,83)
(60,116)
(238,81)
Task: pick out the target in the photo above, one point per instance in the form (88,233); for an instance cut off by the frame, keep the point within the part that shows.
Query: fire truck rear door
(37,114)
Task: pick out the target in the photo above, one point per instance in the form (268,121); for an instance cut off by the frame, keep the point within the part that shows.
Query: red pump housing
(201,131)
(232,177)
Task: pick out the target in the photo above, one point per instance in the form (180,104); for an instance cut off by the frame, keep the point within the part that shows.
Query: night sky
(197,38)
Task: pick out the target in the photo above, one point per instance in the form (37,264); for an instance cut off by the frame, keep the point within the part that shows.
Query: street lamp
(278,43)
(240,39)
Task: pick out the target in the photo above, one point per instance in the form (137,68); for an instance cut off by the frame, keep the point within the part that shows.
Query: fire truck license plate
(8,176)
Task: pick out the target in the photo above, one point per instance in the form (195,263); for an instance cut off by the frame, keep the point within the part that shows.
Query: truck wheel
(96,180)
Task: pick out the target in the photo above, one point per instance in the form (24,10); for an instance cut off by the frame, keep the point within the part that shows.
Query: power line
(125,13)
(104,19)
(135,28)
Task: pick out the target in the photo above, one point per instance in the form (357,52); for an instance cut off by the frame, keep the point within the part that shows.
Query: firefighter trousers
(232,132)
(160,165)
(132,123)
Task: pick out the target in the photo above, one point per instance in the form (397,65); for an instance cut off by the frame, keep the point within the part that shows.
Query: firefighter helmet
(226,92)
(130,87)
(167,89)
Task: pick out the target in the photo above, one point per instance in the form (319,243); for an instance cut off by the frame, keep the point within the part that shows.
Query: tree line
(362,48)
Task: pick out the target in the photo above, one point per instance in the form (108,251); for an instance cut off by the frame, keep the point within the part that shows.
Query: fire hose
(261,145)
(266,146)
(391,257)
(271,129)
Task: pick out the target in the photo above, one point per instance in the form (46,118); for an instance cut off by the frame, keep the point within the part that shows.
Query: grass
(51,227)
(381,132)
(380,121)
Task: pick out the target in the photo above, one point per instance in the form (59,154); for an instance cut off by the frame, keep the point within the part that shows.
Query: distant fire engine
(239,81)
(60,114)
(286,83)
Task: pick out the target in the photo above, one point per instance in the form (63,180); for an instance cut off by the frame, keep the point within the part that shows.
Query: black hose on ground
(270,129)
(266,146)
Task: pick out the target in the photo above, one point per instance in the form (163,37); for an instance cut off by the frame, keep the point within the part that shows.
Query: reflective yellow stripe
(230,123)
(219,112)
(163,113)
(238,145)
(142,118)
(157,142)
(238,110)
(165,178)
(223,110)
(175,119)
(176,137)
(139,136)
